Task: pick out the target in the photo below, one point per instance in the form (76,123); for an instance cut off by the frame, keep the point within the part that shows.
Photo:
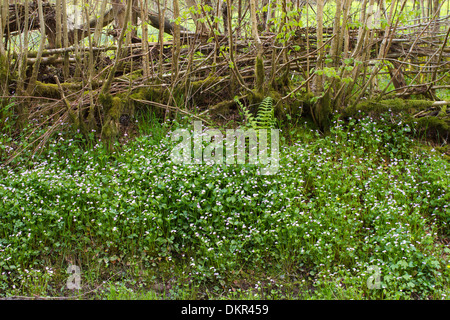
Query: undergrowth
(140,226)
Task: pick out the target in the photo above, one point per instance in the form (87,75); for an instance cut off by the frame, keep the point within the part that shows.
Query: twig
(165,107)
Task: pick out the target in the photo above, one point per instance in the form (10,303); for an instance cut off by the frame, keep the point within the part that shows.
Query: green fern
(265,118)
(266,114)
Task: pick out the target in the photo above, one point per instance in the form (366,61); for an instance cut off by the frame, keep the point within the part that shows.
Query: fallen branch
(165,107)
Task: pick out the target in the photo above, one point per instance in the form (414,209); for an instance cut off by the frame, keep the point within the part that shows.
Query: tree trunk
(259,68)
(318,87)
(34,74)
(334,50)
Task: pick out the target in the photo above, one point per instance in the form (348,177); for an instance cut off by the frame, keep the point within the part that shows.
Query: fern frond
(249,118)
(266,114)
(265,118)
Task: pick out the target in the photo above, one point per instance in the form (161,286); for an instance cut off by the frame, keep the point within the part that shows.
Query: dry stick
(412,64)
(361,36)
(308,54)
(274,72)
(76,36)
(319,32)
(410,49)
(108,81)
(190,53)
(176,40)
(408,27)
(416,74)
(417,86)
(165,107)
(49,52)
(230,36)
(433,77)
(441,87)
(76,119)
(241,18)
(269,13)
(49,60)
(234,69)
(16,154)
(346,36)
(296,89)
(365,38)
(334,48)
(99,26)
(383,50)
(90,74)
(79,65)
(440,103)
(434,104)
(23,50)
(58,39)
(389,35)
(65,39)
(3,16)
(342,33)
(308,87)
(284,50)
(175,53)
(127,42)
(32,82)
(144,39)
(7,26)
(161,14)
(258,44)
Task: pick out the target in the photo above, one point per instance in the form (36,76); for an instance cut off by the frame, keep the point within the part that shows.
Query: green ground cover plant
(141,227)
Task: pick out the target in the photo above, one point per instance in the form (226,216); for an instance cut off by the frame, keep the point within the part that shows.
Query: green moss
(443,111)
(51,90)
(222,107)
(322,111)
(6,76)
(48,90)
(109,133)
(108,128)
(276,95)
(444,149)
(439,125)
(135,75)
(105,100)
(116,108)
(155,94)
(259,74)
(3,68)
(113,108)
(256,97)
(393,105)
(203,84)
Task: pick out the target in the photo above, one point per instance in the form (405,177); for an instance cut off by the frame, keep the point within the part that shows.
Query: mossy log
(423,115)
(51,90)
(392,105)
(197,85)
(437,126)
(222,108)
